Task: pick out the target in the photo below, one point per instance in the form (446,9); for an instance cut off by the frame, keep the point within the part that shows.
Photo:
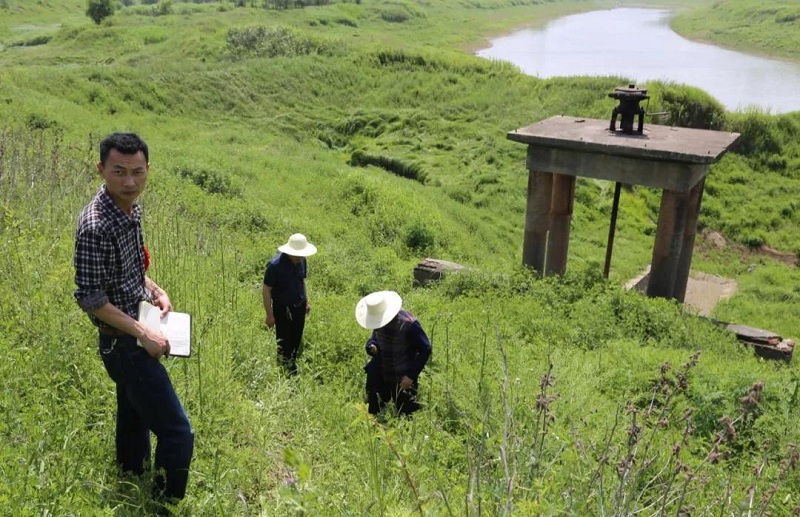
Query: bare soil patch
(703,291)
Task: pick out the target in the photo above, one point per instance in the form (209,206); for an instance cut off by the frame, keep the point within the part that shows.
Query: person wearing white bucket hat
(399,349)
(285,297)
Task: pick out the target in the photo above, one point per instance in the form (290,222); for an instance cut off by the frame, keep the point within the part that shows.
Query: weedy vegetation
(367,127)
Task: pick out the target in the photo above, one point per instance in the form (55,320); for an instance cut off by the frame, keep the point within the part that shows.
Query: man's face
(125,176)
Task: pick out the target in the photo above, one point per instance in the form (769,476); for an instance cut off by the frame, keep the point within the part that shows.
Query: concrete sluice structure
(676,160)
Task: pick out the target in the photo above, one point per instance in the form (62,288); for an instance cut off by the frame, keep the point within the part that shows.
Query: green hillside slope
(365,126)
(752,25)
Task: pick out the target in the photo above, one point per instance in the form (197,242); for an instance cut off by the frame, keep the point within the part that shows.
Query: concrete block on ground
(431,270)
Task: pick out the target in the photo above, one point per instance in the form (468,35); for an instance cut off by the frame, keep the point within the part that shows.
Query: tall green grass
(506,430)
(542,397)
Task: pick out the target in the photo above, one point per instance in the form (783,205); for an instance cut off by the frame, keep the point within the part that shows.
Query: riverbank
(649,51)
(527,18)
(766,28)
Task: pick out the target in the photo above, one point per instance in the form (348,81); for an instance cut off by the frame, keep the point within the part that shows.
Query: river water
(638,45)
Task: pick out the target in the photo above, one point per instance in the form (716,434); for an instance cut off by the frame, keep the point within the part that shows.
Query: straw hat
(298,246)
(377,309)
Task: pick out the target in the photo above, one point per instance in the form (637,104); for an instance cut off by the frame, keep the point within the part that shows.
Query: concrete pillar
(561,205)
(537,219)
(689,233)
(669,240)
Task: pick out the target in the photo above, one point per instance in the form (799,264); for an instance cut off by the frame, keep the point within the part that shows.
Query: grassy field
(751,25)
(368,127)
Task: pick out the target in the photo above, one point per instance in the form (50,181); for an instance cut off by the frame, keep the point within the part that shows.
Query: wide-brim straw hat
(298,246)
(377,309)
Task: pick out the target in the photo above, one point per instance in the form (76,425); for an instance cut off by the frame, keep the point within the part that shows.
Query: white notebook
(176,327)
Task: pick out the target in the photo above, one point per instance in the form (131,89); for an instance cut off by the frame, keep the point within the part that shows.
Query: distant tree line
(288,4)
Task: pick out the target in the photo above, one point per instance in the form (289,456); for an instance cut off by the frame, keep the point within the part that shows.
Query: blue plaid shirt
(109,258)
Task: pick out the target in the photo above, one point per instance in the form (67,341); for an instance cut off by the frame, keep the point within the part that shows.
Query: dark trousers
(146,401)
(290,320)
(381,390)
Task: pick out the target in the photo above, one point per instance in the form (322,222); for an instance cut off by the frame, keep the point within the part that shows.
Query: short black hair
(126,143)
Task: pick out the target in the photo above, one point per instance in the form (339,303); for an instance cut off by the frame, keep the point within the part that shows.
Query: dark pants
(381,390)
(146,401)
(289,323)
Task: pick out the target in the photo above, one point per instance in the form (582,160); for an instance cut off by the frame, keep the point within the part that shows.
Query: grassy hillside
(365,127)
(751,25)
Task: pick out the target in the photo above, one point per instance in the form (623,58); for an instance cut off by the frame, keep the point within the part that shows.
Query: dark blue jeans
(146,401)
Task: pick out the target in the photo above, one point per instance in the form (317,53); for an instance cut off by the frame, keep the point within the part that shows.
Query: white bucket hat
(377,309)
(298,246)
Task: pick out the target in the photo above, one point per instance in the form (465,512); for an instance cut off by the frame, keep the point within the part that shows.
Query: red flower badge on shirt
(146,257)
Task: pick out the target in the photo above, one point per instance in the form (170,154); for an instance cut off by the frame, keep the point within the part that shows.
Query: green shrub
(163,8)
(776,163)
(418,237)
(264,41)
(36,121)
(213,182)
(759,133)
(754,240)
(394,15)
(687,106)
(347,22)
(99,10)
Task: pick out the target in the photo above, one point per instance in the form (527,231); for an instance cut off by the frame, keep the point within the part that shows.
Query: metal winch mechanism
(629,98)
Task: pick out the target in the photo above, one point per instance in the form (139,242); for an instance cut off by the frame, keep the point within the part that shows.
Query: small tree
(99,10)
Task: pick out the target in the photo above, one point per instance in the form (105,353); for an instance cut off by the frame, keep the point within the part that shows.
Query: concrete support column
(562,202)
(669,241)
(687,248)
(537,219)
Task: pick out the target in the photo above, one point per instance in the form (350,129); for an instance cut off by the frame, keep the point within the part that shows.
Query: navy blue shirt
(286,280)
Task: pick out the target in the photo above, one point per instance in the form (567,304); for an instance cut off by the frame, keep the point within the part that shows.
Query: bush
(272,42)
(212,182)
(754,240)
(99,10)
(418,237)
(36,121)
(688,106)
(394,16)
(163,8)
(760,133)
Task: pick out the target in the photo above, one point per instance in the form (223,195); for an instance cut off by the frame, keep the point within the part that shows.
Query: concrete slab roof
(660,143)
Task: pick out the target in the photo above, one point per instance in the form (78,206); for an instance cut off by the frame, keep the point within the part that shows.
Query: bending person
(399,349)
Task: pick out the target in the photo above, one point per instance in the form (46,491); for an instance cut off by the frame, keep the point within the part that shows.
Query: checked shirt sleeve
(91,249)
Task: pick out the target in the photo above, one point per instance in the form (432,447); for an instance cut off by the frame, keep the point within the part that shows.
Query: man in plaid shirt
(111,281)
